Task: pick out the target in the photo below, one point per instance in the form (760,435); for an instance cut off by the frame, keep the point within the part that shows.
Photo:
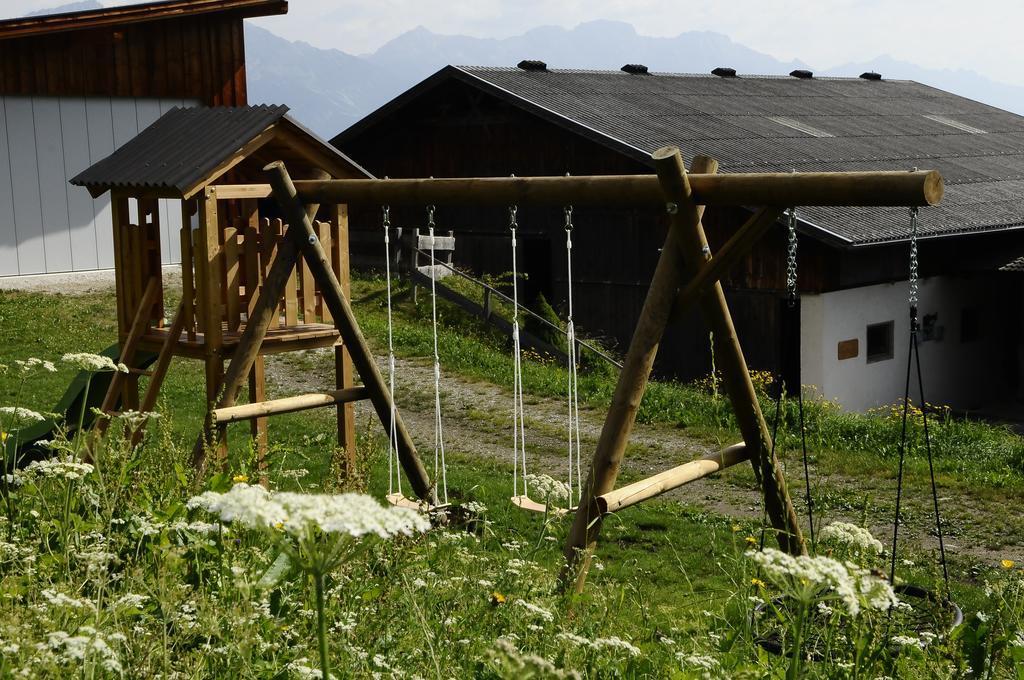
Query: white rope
(438,429)
(574,405)
(394,474)
(518,412)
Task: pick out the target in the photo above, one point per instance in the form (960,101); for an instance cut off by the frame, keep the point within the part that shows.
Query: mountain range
(328,89)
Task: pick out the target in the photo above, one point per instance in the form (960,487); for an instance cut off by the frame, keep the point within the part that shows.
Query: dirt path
(478,421)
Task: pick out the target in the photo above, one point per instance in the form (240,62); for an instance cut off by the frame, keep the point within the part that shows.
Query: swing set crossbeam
(782,189)
(648,488)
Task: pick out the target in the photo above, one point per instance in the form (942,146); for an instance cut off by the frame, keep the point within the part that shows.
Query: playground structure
(686,274)
(228,246)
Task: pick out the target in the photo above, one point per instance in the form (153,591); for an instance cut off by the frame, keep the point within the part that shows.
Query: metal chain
(913,258)
(791,259)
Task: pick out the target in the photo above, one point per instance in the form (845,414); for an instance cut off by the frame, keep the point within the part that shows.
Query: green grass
(673,579)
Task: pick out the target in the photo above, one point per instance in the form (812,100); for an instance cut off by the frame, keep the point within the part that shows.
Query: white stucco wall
(47,225)
(955,373)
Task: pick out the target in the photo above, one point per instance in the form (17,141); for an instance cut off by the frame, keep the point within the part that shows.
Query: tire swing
(522,499)
(920,610)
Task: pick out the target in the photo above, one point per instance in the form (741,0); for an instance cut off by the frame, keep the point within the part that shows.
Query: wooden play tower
(195,169)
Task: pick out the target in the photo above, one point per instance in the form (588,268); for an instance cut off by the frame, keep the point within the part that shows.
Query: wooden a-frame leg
(629,391)
(258,426)
(685,233)
(343,379)
(163,363)
(138,328)
(301,232)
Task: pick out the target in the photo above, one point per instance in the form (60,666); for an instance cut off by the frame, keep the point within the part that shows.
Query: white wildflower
(615,643)
(539,612)
(66,468)
(349,513)
(982,616)
(131,601)
(1018,640)
(854,586)
(549,489)
(93,362)
(80,648)
(851,536)
(699,661)
(907,641)
(475,507)
(299,669)
(32,362)
(55,598)
(577,640)
(21,413)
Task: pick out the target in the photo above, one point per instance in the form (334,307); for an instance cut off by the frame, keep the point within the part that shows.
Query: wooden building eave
(133,14)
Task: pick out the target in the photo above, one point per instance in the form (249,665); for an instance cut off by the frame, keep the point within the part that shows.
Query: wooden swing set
(254,286)
(686,274)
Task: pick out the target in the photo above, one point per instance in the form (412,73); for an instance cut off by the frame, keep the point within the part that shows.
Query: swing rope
(574,405)
(518,413)
(394,473)
(438,429)
(914,359)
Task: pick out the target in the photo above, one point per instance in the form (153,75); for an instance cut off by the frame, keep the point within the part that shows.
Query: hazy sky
(983,35)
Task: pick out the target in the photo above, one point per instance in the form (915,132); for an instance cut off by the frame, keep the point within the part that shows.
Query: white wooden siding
(46,224)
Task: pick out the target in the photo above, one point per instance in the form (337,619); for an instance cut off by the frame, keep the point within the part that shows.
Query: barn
(76,86)
(848,339)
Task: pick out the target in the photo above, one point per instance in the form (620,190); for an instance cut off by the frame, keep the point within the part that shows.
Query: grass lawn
(112,574)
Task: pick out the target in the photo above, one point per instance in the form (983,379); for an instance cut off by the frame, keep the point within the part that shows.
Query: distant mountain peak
(82,6)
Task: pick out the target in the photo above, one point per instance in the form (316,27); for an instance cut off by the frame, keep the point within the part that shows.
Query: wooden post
(209,252)
(629,391)
(343,370)
(301,232)
(258,427)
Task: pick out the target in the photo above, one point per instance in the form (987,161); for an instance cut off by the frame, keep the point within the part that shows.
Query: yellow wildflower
(735,528)
(497,598)
(1007,564)
(758,582)
(240,479)
(751,540)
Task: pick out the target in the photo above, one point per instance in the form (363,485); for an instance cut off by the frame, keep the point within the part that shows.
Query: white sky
(982,35)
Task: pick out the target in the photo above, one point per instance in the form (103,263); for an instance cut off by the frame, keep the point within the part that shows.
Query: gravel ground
(77,283)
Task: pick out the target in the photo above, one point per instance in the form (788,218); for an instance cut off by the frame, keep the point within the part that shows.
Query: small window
(879,341)
(970,324)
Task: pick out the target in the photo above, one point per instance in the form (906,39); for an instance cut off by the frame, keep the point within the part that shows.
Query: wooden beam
(735,249)
(302,402)
(240,155)
(227,191)
(335,242)
(780,189)
(629,390)
(163,363)
(138,328)
(345,321)
(645,489)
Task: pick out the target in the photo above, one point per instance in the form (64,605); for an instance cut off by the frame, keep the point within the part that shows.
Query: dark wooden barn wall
(457,131)
(191,57)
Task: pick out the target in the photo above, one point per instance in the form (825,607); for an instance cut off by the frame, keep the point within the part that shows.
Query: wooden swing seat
(403,501)
(527,503)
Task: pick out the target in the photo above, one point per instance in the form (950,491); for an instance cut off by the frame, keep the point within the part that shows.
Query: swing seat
(527,503)
(402,501)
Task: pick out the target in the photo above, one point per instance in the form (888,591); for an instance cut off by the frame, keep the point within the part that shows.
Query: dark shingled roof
(185,145)
(778,124)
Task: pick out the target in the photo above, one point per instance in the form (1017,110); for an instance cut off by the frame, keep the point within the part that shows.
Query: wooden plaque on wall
(848,349)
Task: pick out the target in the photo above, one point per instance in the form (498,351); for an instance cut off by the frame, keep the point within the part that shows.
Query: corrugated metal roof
(875,125)
(185,145)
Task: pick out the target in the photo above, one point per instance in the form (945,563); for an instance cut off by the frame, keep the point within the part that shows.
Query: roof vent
(802,73)
(532,65)
(724,72)
(871,75)
(636,69)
